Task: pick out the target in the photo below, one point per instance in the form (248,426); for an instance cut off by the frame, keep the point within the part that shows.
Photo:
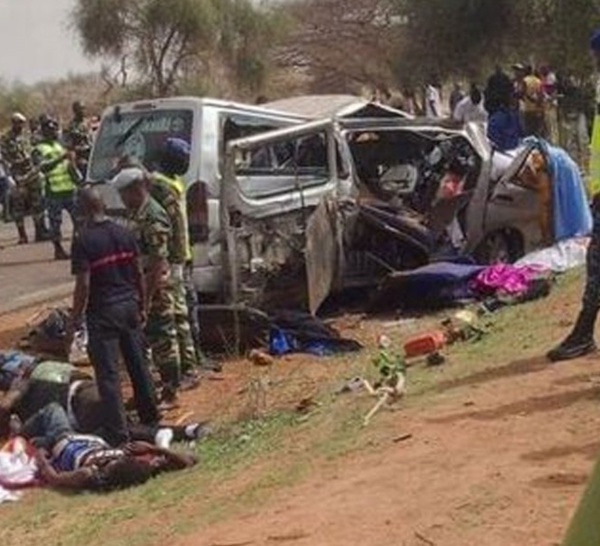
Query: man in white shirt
(471,108)
(433,100)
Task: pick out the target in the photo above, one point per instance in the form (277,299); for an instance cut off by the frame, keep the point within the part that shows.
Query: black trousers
(115,329)
(591,296)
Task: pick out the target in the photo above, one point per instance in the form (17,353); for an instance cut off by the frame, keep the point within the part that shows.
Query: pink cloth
(506,279)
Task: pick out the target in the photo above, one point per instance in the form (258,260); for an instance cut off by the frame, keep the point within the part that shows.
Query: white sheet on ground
(17,469)
(561,257)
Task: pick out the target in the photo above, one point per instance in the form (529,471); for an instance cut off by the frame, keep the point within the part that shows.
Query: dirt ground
(497,458)
(500,461)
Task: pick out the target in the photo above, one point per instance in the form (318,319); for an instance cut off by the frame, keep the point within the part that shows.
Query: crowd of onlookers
(527,102)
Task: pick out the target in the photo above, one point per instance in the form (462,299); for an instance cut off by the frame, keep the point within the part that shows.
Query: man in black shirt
(109,296)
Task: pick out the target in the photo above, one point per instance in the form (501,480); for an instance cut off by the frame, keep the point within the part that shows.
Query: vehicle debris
(391,384)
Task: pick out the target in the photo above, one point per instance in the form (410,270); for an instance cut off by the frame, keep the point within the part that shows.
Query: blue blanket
(572,214)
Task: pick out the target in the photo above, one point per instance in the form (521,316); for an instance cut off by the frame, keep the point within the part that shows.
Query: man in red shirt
(109,296)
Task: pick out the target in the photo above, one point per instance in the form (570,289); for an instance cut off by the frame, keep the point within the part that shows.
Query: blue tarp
(437,284)
(572,214)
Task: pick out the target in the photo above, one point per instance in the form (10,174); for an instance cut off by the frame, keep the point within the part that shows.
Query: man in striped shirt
(109,297)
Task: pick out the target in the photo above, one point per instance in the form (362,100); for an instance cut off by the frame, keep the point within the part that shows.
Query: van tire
(503,246)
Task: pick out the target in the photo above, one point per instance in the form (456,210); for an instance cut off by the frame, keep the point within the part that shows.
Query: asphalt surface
(29,275)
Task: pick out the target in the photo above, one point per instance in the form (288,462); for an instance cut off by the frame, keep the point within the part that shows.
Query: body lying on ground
(67,460)
(78,395)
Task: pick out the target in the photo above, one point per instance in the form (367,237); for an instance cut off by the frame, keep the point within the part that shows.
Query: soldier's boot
(580,341)
(59,252)
(23,239)
(42,233)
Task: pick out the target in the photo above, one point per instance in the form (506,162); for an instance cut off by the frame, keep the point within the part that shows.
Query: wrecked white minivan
(317,208)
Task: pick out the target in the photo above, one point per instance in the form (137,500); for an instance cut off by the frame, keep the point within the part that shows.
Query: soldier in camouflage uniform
(164,193)
(27,196)
(78,138)
(153,230)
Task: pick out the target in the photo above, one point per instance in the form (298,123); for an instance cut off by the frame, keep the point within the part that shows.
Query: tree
(340,45)
(166,41)
(398,43)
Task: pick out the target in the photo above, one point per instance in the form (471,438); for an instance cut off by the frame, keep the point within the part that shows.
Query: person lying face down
(67,460)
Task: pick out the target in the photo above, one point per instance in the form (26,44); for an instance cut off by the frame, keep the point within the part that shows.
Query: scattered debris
(425,344)
(288,538)
(424,539)
(356,384)
(306,405)
(392,378)
(435,359)
(403,438)
(260,358)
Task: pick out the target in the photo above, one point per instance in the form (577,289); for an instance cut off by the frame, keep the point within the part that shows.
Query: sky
(36,43)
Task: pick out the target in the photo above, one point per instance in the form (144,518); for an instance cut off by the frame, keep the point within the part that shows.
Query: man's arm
(157,238)
(157,269)
(77,480)
(140,284)
(80,267)
(47,165)
(171,459)
(15,394)
(81,295)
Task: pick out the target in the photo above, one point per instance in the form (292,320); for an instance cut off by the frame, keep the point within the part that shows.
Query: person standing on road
(153,231)
(433,99)
(532,104)
(470,109)
(498,92)
(61,183)
(109,297)
(78,138)
(27,195)
(580,341)
(456,96)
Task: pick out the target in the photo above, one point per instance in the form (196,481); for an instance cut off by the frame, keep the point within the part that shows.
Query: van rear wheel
(500,247)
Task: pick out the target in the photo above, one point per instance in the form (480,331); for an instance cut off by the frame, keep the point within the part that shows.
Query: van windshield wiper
(132,130)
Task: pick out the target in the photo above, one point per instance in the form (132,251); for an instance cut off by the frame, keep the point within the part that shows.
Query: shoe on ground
(198,432)
(570,350)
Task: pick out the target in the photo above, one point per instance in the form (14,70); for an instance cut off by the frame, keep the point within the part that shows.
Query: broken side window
(283,167)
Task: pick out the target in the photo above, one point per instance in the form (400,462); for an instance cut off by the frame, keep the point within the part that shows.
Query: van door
(278,212)
(514,204)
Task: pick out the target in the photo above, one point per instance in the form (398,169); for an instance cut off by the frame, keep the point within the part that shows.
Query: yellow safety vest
(594,183)
(177,186)
(60,179)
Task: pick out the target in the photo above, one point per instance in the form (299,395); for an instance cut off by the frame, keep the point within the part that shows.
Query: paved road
(28,274)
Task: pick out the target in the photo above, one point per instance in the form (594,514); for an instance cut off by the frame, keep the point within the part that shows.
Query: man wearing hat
(27,196)
(152,227)
(580,341)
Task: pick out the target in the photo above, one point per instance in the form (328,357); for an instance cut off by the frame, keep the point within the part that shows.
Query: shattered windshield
(137,134)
